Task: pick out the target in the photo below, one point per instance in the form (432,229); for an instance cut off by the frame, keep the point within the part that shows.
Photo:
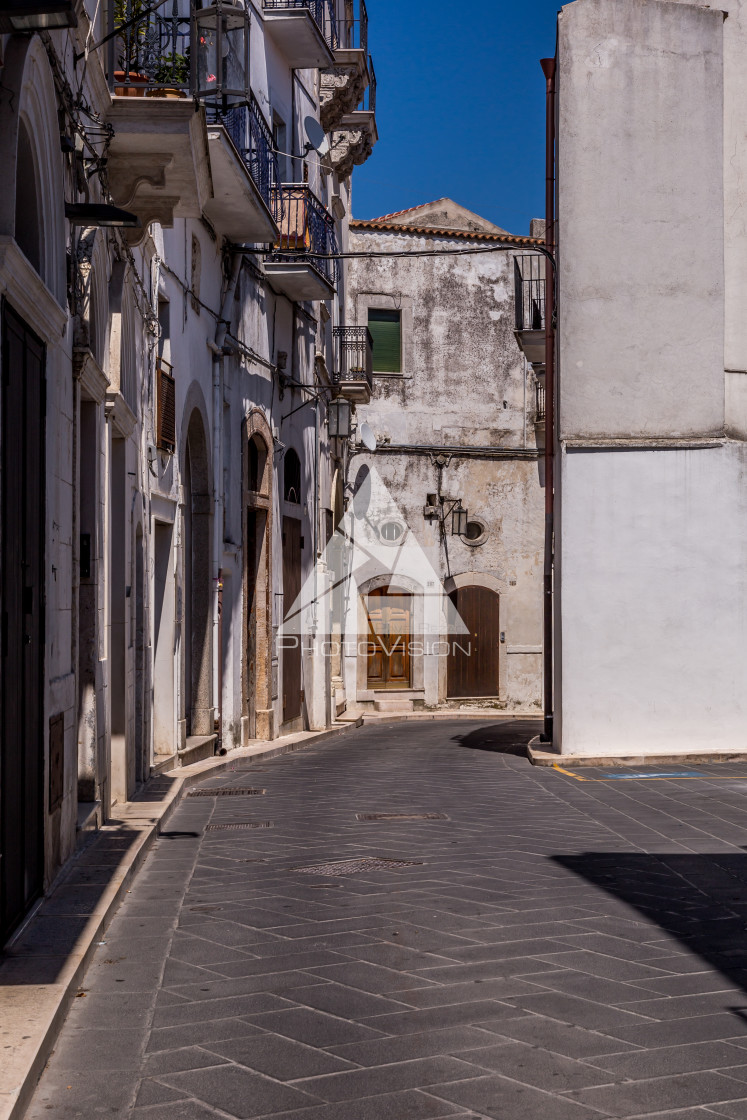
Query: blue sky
(460,107)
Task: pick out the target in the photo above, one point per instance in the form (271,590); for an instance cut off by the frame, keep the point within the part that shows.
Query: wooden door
(389,638)
(292,695)
(22,606)
(473,657)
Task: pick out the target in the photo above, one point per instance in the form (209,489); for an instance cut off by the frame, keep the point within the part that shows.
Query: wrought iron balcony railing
(529,292)
(353,33)
(165,407)
(322,13)
(539,410)
(369,98)
(252,137)
(150,50)
(307,229)
(354,355)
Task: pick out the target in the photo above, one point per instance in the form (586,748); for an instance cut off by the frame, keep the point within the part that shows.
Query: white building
(651,505)
(457,413)
(166,475)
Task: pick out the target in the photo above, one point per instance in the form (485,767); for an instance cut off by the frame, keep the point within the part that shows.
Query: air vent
(401,817)
(226,791)
(356,866)
(241,824)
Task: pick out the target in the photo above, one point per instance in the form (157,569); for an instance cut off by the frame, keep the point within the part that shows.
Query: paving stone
(174,1061)
(361,1083)
(195,1011)
(238,1092)
(450,1040)
(561,1038)
(188,1034)
(179,1110)
(665,1060)
(153,1092)
(412,1105)
(541,1068)
(502,1099)
(112,1049)
(411,1022)
(639,1097)
(278,1057)
(313,1027)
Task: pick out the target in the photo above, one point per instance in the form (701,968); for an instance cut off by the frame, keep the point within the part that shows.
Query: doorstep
(539,755)
(43,966)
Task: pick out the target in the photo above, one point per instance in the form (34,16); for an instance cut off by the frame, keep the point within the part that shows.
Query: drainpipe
(548,69)
(217,352)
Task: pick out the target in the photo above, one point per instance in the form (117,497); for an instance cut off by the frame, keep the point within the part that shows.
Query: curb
(32,1013)
(538,755)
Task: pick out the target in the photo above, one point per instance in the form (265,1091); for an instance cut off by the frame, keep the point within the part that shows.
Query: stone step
(196,749)
(396,704)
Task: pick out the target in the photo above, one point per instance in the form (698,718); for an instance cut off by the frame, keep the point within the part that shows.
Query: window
(391,531)
(292,477)
(386,331)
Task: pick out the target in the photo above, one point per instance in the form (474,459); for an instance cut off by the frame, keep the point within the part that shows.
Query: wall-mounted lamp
(339,418)
(36,15)
(100,214)
(459,518)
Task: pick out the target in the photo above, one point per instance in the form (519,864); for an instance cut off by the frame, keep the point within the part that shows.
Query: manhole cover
(241,824)
(401,817)
(226,791)
(355,866)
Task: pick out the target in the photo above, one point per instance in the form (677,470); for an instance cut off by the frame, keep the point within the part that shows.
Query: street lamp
(459,517)
(36,15)
(100,214)
(339,418)
(220,48)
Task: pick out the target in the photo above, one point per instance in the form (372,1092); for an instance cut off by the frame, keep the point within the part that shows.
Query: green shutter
(385,328)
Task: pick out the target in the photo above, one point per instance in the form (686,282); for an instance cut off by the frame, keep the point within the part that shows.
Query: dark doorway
(389,638)
(292,640)
(198,585)
(22,605)
(473,656)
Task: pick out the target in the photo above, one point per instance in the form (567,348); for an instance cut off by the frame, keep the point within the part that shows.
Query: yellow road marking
(656,778)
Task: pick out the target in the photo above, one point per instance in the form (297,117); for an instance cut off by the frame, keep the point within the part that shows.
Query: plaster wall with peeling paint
(460,418)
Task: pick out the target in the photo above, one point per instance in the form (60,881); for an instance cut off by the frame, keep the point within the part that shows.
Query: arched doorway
(198,711)
(257,698)
(292,545)
(390,619)
(473,664)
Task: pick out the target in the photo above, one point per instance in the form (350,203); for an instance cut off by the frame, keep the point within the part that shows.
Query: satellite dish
(317,137)
(368,439)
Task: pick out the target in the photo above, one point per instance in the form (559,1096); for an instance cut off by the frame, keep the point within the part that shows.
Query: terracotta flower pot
(135,84)
(171,93)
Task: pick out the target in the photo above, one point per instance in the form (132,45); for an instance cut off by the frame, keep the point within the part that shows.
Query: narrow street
(539,946)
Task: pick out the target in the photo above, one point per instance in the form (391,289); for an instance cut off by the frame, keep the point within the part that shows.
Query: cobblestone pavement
(541,947)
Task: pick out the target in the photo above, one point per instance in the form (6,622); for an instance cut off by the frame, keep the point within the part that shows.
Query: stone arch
(196,583)
(30,148)
(258,479)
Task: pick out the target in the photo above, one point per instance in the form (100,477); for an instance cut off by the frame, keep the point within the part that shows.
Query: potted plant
(172,75)
(130,81)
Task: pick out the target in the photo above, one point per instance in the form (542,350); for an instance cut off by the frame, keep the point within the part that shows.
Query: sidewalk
(41,968)
(541,946)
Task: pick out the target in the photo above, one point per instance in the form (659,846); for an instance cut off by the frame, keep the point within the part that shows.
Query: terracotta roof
(409,210)
(464,234)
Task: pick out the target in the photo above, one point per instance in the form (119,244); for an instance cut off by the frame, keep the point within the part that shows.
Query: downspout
(217,351)
(548,69)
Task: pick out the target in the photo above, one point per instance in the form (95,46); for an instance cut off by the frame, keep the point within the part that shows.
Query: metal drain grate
(355,866)
(225,791)
(240,824)
(401,817)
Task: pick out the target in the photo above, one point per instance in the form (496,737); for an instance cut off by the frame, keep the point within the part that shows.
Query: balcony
(305,31)
(298,266)
(245,174)
(354,138)
(165,407)
(529,296)
(343,84)
(353,372)
(158,157)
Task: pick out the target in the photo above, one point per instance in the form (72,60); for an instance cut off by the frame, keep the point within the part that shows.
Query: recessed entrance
(22,606)
(389,638)
(473,656)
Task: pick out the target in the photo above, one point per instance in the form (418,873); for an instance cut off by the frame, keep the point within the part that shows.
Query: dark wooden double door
(473,656)
(292,691)
(21,620)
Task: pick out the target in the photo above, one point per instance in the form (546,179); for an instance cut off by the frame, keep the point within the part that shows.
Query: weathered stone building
(457,416)
(168,355)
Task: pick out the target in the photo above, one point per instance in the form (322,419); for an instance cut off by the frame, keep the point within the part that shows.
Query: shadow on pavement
(701,900)
(511,736)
